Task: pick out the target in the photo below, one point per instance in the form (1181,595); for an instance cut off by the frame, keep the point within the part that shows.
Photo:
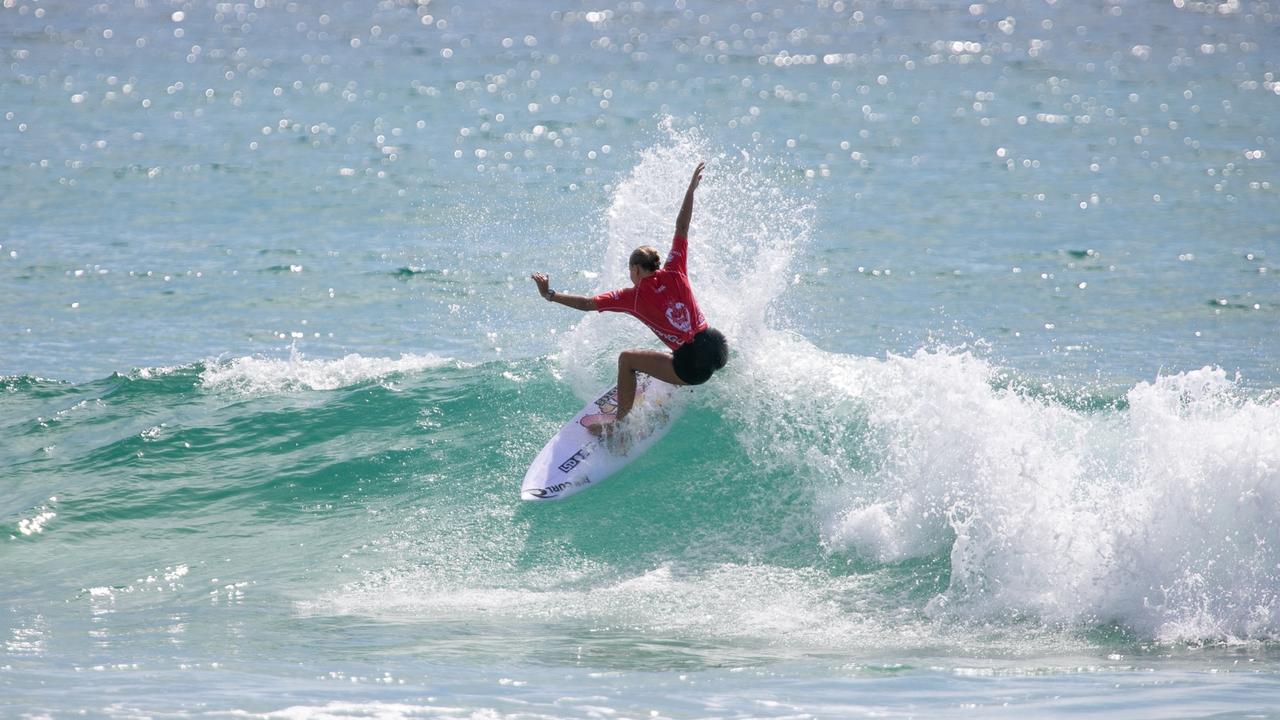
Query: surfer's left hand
(543,282)
(697,177)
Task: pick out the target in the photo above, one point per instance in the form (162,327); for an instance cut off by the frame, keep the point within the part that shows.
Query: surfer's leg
(650,362)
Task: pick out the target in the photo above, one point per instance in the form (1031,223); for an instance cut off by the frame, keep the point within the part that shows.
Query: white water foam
(1163,517)
(787,610)
(268,376)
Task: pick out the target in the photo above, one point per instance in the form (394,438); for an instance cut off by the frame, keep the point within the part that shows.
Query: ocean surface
(999,436)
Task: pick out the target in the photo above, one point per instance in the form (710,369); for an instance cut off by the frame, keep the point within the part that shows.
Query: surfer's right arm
(577,302)
(686,208)
(676,259)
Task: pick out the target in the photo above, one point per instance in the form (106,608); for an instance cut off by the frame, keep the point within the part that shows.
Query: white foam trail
(776,607)
(267,376)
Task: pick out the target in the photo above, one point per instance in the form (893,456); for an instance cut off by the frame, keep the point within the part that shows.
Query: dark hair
(646,257)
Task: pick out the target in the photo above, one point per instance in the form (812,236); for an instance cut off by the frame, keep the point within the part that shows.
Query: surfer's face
(638,273)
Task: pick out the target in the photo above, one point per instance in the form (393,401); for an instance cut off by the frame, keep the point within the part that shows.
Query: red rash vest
(663,301)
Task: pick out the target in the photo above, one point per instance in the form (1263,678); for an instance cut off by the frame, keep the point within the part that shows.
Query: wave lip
(269,376)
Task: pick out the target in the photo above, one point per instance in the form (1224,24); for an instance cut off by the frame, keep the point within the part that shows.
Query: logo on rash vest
(678,316)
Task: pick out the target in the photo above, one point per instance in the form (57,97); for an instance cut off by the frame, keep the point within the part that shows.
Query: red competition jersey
(663,301)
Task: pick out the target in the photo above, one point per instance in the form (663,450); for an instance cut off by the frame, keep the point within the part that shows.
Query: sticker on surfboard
(575,460)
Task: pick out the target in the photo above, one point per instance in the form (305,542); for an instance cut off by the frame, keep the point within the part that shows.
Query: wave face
(814,501)
(809,501)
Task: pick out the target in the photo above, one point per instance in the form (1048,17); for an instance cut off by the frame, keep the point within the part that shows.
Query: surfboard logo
(678,316)
(547,492)
(574,460)
(552,490)
(570,461)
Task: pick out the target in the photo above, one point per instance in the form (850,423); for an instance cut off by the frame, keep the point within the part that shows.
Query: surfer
(662,298)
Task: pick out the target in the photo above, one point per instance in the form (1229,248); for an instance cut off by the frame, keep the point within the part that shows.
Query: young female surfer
(662,298)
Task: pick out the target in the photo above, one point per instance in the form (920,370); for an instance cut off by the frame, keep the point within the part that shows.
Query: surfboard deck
(574,459)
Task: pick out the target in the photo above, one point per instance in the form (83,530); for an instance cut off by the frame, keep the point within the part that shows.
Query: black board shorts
(696,360)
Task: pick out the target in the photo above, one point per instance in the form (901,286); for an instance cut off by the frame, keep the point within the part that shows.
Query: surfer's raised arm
(577,302)
(686,210)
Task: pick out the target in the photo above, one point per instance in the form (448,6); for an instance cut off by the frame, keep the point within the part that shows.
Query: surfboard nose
(574,459)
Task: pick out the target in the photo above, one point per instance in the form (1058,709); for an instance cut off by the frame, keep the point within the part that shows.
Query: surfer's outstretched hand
(697,177)
(543,282)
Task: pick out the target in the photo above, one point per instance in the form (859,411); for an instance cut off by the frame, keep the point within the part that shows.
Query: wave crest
(268,376)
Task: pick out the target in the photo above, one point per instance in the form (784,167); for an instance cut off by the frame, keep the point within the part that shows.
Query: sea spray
(1162,518)
(748,223)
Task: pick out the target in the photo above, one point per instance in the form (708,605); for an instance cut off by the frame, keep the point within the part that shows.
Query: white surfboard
(575,460)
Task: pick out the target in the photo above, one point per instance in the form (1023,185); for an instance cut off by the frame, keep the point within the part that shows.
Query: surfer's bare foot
(618,442)
(601,429)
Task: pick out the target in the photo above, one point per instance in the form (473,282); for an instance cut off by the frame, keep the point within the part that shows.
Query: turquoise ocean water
(999,437)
